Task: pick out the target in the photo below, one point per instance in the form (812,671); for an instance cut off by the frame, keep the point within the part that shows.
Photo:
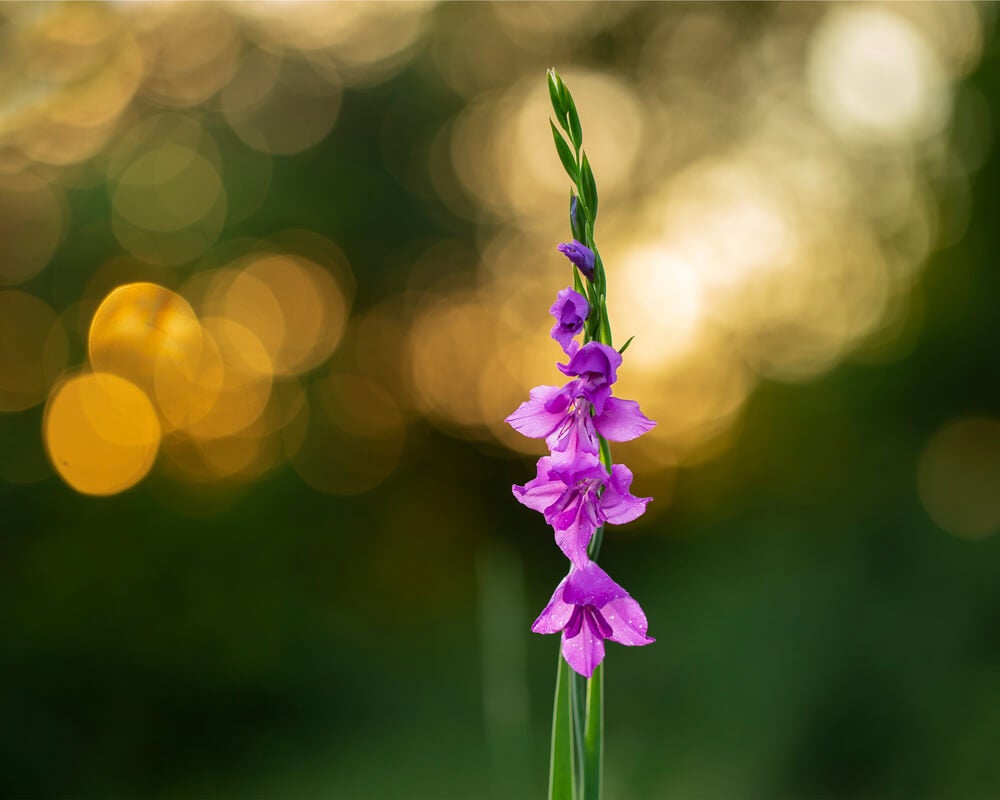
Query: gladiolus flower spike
(577,488)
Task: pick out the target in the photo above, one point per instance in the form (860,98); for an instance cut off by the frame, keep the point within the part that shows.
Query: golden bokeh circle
(295,307)
(151,336)
(246,380)
(101,433)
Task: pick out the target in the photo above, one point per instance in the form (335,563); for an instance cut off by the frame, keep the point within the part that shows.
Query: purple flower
(570,311)
(572,427)
(569,418)
(588,607)
(581,255)
(577,497)
(595,367)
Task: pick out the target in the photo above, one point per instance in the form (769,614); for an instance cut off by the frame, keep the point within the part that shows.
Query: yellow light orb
(185,396)
(245,380)
(151,336)
(295,307)
(101,433)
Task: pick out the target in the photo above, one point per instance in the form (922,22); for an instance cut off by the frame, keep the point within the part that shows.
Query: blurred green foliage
(817,635)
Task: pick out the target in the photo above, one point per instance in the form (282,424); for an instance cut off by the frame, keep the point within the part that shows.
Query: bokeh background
(271,275)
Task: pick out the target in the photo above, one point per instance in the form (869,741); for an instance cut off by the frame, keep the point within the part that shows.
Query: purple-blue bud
(581,256)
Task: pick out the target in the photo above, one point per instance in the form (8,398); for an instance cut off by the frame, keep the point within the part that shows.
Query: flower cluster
(574,489)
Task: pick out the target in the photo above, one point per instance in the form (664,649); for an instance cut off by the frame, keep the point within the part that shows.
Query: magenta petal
(588,607)
(581,255)
(582,467)
(596,360)
(618,504)
(574,435)
(628,622)
(598,397)
(532,419)
(564,336)
(621,420)
(570,311)
(556,614)
(596,365)
(574,535)
(584,651)
(559,401)
(541,492)
(591,585)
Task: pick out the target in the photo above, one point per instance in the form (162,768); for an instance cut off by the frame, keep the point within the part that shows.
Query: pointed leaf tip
(556,97)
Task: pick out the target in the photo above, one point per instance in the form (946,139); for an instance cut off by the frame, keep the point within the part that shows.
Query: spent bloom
(588,607)
(581,256)
(578,497)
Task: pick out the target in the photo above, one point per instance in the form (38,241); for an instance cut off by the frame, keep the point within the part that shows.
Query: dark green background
(817,635)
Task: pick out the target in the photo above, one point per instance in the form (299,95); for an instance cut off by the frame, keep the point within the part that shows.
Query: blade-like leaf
(600,276)
(604,334)
(624,347)
(565,154)
(575,129)
(578,286)
(576,219)
(588,188)
(563,92)
(579,696)
(561,780)
(594,548)
(593,745)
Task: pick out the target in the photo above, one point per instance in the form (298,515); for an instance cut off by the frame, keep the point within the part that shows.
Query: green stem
(562,781)
(579,684)
(593,747)
(605,452)
(594,548)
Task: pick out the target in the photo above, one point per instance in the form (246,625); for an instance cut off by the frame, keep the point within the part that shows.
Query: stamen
(575,623)
(598,624)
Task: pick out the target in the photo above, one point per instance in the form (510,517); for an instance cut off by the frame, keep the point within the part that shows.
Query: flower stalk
(578,488)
